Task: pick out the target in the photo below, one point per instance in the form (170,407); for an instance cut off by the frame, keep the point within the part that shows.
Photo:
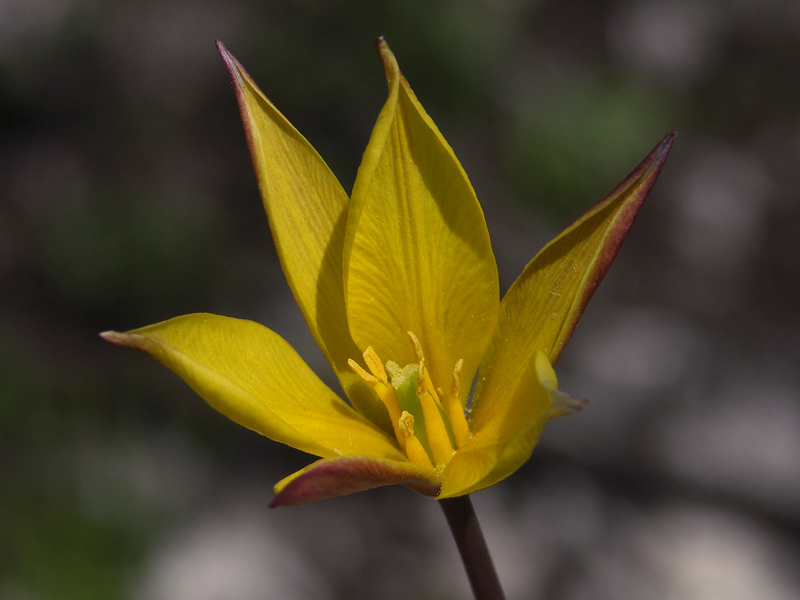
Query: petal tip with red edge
(235,69)
(341,476)
(638,184)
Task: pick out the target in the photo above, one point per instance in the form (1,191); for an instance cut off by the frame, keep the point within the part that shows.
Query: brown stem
(474,553)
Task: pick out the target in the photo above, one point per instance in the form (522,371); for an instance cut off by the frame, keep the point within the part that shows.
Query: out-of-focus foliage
(127,196)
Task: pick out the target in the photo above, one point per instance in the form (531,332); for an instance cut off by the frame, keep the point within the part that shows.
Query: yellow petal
(254,377)
(498,449)
(542,307)
(417,252)
(333,477)
(505,443)
(307,210)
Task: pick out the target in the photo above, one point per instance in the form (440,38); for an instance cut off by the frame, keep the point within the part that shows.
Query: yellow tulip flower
(399,286)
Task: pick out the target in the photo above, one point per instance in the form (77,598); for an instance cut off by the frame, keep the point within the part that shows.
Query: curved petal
(254,377)
(504,444)
(542,307)
(417,251)
(483,464)
(307,210)
(332,477)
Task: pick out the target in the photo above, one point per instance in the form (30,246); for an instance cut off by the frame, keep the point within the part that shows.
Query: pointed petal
(542,307)
(307,210)
(506,442)
(345,475)
(254,377)
(417,251)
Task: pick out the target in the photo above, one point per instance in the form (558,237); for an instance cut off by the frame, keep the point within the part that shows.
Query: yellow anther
(414,450)
(406,424)
(375,365)
(456,410)
(361,372)
(424,382)
(417,346)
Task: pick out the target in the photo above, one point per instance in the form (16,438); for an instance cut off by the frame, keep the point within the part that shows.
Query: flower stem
(475,555)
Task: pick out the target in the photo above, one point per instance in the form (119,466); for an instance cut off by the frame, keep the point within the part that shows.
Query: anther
(417,346)
(406,423)
(375,365)
(362,373)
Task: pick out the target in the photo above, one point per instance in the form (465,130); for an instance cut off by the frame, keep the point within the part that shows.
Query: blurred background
(127,197)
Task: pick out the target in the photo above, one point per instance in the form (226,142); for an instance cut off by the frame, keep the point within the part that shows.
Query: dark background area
(127,197)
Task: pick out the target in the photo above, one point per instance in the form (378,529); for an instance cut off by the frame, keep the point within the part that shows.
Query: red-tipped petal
(542,307)
(332,477)
(307,209)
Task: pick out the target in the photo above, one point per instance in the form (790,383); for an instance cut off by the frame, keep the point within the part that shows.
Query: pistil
(440,435)
(427,430)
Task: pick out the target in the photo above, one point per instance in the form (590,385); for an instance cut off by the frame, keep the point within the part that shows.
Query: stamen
(409,394)
(383,389)
(406,423)
(404,387)
(375,365)
(435,392)
(414,450)
(417,346)
(361,372)
(435,426)
(456,410)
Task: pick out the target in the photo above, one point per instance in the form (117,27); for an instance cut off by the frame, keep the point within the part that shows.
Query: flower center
(428,430)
